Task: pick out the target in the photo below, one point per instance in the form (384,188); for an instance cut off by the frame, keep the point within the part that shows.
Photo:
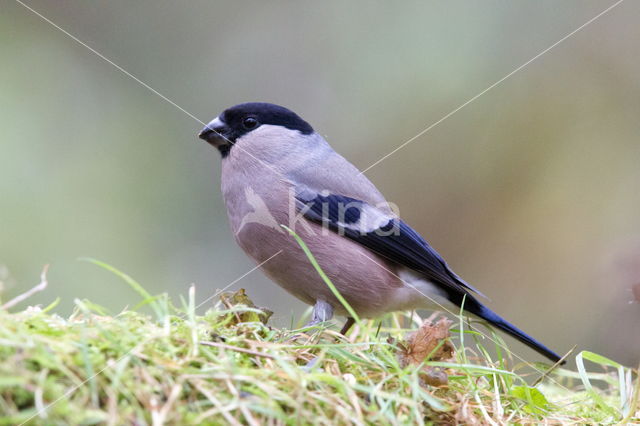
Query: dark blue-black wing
(381,233)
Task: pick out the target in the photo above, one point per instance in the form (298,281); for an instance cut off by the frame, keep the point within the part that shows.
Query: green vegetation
(228,366)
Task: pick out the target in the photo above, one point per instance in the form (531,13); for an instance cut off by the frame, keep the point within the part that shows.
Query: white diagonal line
(145,85)
(127,73)
(494,85)
(73,389)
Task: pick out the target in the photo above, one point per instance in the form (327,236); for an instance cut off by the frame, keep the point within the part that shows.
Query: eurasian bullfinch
(277,170)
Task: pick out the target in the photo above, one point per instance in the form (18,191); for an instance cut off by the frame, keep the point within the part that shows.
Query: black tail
(472,305)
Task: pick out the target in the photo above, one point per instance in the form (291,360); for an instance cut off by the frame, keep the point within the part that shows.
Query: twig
(219,408)
(27,294)
(554,366)
(237,349)
(38,395)
(159,417)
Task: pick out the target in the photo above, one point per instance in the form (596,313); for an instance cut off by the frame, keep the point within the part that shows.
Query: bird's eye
(250,123)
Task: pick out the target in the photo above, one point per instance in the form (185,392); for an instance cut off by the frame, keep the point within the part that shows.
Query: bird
(274,159)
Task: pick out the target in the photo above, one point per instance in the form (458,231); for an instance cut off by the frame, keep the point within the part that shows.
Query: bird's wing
(381,233)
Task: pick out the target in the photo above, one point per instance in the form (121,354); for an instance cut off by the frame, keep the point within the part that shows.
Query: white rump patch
(418,293)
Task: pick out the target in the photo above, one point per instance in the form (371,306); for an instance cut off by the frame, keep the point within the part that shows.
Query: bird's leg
(347,325)
(322,311)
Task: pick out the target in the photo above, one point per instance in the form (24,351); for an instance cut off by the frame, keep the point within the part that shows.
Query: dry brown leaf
(434,376)
(430,341)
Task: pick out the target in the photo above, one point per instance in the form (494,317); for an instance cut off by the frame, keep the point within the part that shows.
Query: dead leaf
(434,376)
(430,341)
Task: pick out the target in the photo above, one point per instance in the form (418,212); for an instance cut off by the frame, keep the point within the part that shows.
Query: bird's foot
(347,325)
(322,312)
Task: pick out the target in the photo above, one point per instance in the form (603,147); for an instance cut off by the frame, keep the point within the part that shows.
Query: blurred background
(531,192)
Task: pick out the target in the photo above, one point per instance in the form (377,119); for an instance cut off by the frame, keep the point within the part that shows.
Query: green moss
(182,368)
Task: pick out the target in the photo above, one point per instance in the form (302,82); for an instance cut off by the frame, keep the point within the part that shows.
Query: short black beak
(213,134)
(205,133)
